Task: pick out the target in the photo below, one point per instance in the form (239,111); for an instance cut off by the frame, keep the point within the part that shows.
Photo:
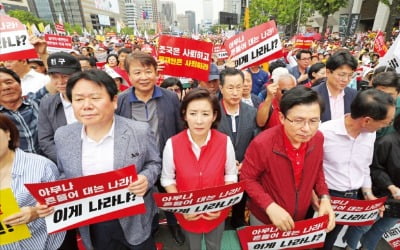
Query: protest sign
(89,199)
(201,201)
(303,42)
(393,236)
(392,56)
(305,235)
(59,28)
(9,206)
(185,57)
(14,40)
(379,44)
(220,52)
(356,212)
(255,45)
(58,43)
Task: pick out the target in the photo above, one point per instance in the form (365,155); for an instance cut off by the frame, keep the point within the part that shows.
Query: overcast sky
(197,7)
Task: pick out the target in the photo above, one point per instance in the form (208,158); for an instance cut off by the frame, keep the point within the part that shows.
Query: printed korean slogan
(9,206)
(393,236)
(185,57)
(392,56)
(255,46)
(303,42)
(220,52)
(356,212)
(379,44)
(201,201)
(305,235)
(14,40)
(89,199)
(57,43)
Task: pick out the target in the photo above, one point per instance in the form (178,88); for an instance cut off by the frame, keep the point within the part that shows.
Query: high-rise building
(168,14)
(191,21)
(15,5)
(131,13)
(233,6)
(183,22)
(208,11)
(148,14)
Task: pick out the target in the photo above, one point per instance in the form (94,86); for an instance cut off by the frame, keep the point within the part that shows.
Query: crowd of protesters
(318,122)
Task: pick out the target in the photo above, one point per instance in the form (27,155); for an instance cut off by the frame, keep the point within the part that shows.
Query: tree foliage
(26,17)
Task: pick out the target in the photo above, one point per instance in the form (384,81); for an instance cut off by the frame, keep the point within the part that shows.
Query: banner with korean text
(255,46)
(185,57)
(303,42)
(9,206)
(305,235)
(14,40)
(379,44)
(89,199)
(220,52)
(356,212)
(393,236)
(56,43)
(201,201)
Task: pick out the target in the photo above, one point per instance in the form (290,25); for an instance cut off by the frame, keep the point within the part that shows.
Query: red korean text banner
(59,28)
(303,42)
(14,40)
(305,235)
(255,46)
(201,201)
(356,212)
(89,199)
(393,236)
(58,43)
(379,44)
(185,57)
(220,52)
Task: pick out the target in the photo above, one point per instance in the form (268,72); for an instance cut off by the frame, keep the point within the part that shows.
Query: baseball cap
(61,62)
(278,72)
(214,73)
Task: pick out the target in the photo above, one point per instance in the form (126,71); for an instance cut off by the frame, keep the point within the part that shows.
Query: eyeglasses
(344,76)
(283,91)
(305,59)
(300,123)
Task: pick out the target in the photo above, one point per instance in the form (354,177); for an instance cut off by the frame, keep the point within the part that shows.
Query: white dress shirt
(33,81)
(68,111)
(168,169)
(97,157)
(346,159)
(337,105)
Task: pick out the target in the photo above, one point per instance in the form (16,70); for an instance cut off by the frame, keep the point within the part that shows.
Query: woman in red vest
(199,157)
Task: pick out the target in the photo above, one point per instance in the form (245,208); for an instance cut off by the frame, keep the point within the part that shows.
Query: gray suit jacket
(247,129)
(134,143)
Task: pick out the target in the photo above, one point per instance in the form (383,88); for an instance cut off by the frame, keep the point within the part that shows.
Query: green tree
(127,30)
(326,8)
(394,6)
(26,17)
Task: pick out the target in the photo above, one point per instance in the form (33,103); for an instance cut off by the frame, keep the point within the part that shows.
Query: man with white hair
(268,111)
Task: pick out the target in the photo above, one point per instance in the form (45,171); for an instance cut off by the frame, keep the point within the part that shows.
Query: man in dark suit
(238,121)
(102,142)
(337,96)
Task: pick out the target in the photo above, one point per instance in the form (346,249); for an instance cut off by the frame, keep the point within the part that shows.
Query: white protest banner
(56,43)
(220,52)
(305,235)
(255,46)
(356,212)
(14,40)
(393,236)
(89,199)
(392,56)
(201,201)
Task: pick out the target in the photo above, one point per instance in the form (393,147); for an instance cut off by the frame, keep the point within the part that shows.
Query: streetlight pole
(298,20)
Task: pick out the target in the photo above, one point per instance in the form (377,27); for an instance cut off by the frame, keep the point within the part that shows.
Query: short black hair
(124,50)
(6,124)
(112,55)
(315,68)
(11,73)
(97,76)
(229,72)
(387,79)
(276,64)
(302,51)
(300,95)
(340,58)
(372,103)
(143,58)
(171,81)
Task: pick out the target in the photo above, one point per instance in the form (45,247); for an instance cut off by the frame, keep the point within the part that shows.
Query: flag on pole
(392,56)
(379,44)
(47,29)
(35,30)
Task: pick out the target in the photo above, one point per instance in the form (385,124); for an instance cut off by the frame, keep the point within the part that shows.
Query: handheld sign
(89,199)
(9,206)
(356,212)
(392,56)
(255,46)
(185,57)
(14,40)
(303,42)
(305,235)
(201,201)
(57,43)
(220,52)
(393,236)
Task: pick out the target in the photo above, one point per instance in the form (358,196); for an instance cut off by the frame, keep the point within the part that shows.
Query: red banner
(303,42)
(58,43)
(220,52)
(59,28)
(185,57)
(255,46)
(305,235)
(201,201)
(14,40)
(356,212)
(379,44)
(89,199)
(393,236)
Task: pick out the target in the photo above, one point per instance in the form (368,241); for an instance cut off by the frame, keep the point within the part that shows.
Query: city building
(191,21)
(168,15)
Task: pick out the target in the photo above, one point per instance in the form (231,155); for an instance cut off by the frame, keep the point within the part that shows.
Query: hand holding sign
(44,210)
(280,217)
(139,187)
(325,208)
(272,89)
(24,216)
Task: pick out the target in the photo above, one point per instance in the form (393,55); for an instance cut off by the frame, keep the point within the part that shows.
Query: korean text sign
(9,206)
(61,43)
(305,235)
(201,201)
(356,212)
(89,199)
(393,236)
(185,57)
(255,46)
(303,42)
(14,40)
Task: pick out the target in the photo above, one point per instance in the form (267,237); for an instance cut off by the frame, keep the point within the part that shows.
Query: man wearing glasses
(300,71)
(283,164)
(337,96)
